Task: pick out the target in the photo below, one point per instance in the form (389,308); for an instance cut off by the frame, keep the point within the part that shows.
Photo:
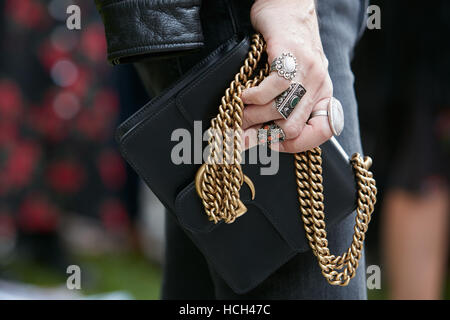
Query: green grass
(125,272)
(33,273)
(128,272)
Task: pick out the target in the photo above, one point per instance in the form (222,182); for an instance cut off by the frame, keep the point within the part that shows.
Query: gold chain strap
(218,183)
(308,170)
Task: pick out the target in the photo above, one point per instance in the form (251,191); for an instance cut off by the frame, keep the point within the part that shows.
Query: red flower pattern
(66,176)
(10,101)
(27,13)
(93,42)
(112,169)
(7,225)
(38,214)
(114,215)
(19,167)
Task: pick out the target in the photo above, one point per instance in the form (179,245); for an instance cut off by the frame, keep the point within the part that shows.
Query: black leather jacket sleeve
(140,28)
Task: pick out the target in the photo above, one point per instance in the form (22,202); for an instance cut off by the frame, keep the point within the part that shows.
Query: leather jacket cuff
(139,28)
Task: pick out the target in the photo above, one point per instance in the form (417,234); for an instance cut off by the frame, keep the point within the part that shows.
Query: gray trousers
(186,272)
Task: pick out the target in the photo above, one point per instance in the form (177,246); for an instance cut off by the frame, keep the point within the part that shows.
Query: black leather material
(136,28)
(247,251)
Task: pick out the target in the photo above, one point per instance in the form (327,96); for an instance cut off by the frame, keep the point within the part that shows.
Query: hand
(290,26)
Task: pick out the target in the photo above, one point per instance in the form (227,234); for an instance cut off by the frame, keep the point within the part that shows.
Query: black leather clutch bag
(247,251)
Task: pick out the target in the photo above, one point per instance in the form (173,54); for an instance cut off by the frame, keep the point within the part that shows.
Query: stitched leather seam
(137,50)
(153,4)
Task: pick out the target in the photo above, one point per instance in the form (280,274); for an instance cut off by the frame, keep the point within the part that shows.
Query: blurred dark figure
(132,96)
(403,87)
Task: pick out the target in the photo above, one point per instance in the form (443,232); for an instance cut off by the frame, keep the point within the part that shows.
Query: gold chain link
(219,182)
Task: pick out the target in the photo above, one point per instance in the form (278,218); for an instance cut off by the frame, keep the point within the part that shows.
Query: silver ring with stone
(285,65)
(335,115)
(270,133)
(286,102)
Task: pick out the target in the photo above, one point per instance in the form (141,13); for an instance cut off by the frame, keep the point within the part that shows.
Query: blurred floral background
(63,184)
